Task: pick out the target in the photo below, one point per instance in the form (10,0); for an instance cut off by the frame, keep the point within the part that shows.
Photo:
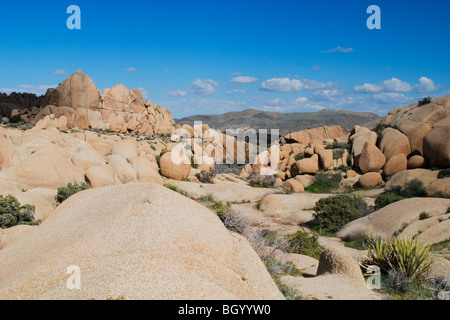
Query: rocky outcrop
(117,109)
(312,135)
(130,241)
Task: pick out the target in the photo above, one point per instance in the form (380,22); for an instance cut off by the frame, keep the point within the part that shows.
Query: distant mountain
(285,122)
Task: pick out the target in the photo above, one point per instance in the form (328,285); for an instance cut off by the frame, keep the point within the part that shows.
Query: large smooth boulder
(177,170)
(401,178)
(361,136)
(305,166)
(371,158)
(78,91)
(370,179)
(416,162)
(391,219)
(436,146)
(395,164)
(326,159)
(289,203)
(394,142)
(101,176)
(439,187)
(122,168)
(314,135)
(6,150)
(146,172)
(136,241)
(293,185)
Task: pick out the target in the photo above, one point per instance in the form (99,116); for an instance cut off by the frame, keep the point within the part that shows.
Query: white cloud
(327,95)
(205,87)
(426,85)
(294,85)
(177,93)
(236,91)
(27,88)
(59,72)
(446,93)
(131,69)
(397,85)
(244,79)
(301,100)
(392,98)
(339,49)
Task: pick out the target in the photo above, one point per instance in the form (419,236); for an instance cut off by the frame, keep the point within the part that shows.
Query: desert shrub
(424,216)
(15,119)
(255,179)
(65,192)
(305,243)
(221,207)
(205,176)
(386,198)
(11,213)
(334,212)
(171,186)
(338,153)
(425,101)
(324,182)
(233,221)
(338,145)
(299,156)
(344,168)
(444,173)
(413,188)
(407,256)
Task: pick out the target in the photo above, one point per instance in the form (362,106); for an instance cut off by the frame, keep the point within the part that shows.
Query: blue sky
(197,57)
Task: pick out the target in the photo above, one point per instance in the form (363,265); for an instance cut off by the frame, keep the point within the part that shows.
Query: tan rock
(86,159)
(78,91)
(401,178)
(122,168)
(439,187)
(178,170)
(305,179)
(336,261)
(146,172)
(436,146)
(101,176)
(204,256)
(293,185)
(415,162)
(351,173)
(371,158)
(307,165)
(391,219)
(395,164)
(6,150)
(317,134)
(370,179)
(326,159)
(361,136)
(394,142)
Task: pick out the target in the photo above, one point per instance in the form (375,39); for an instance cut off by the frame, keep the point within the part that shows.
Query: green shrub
(220,207)
(344,168)
(425,101)
(338,145)
(338,153)
(257,180)
(334,212)
(387,198)
(407,256)
(65,192)
(11,213)
(299,156)
(15,119)
(444,173)
(413,188)
(324,182)
(305,243)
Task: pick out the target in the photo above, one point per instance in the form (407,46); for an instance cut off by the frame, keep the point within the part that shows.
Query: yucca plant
(405,255)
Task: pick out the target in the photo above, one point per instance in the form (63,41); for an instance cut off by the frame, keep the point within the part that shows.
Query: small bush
(425,101)
(338,153)
(387,198)
(171,186)
(333,213)
(65,192)
(206,176)
(344,168)
(444,173)
(414,188)
(299,156)
(220,207)
(11,213)
(305,243)
(233,221)
(407,256)
(15,119)
(424,216)
(338,145)
(324,182)
(255,179)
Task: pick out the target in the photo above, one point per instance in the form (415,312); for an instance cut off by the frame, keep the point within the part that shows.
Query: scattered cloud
(294,85)
(339,49)
(38,90)
(397,85)
(426,85)
(205,87)
(316,67)
(131,69)
(59,72)
(301,100)
(244,79)
(327,95)
(177,93)
(236,91)
(446,93)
